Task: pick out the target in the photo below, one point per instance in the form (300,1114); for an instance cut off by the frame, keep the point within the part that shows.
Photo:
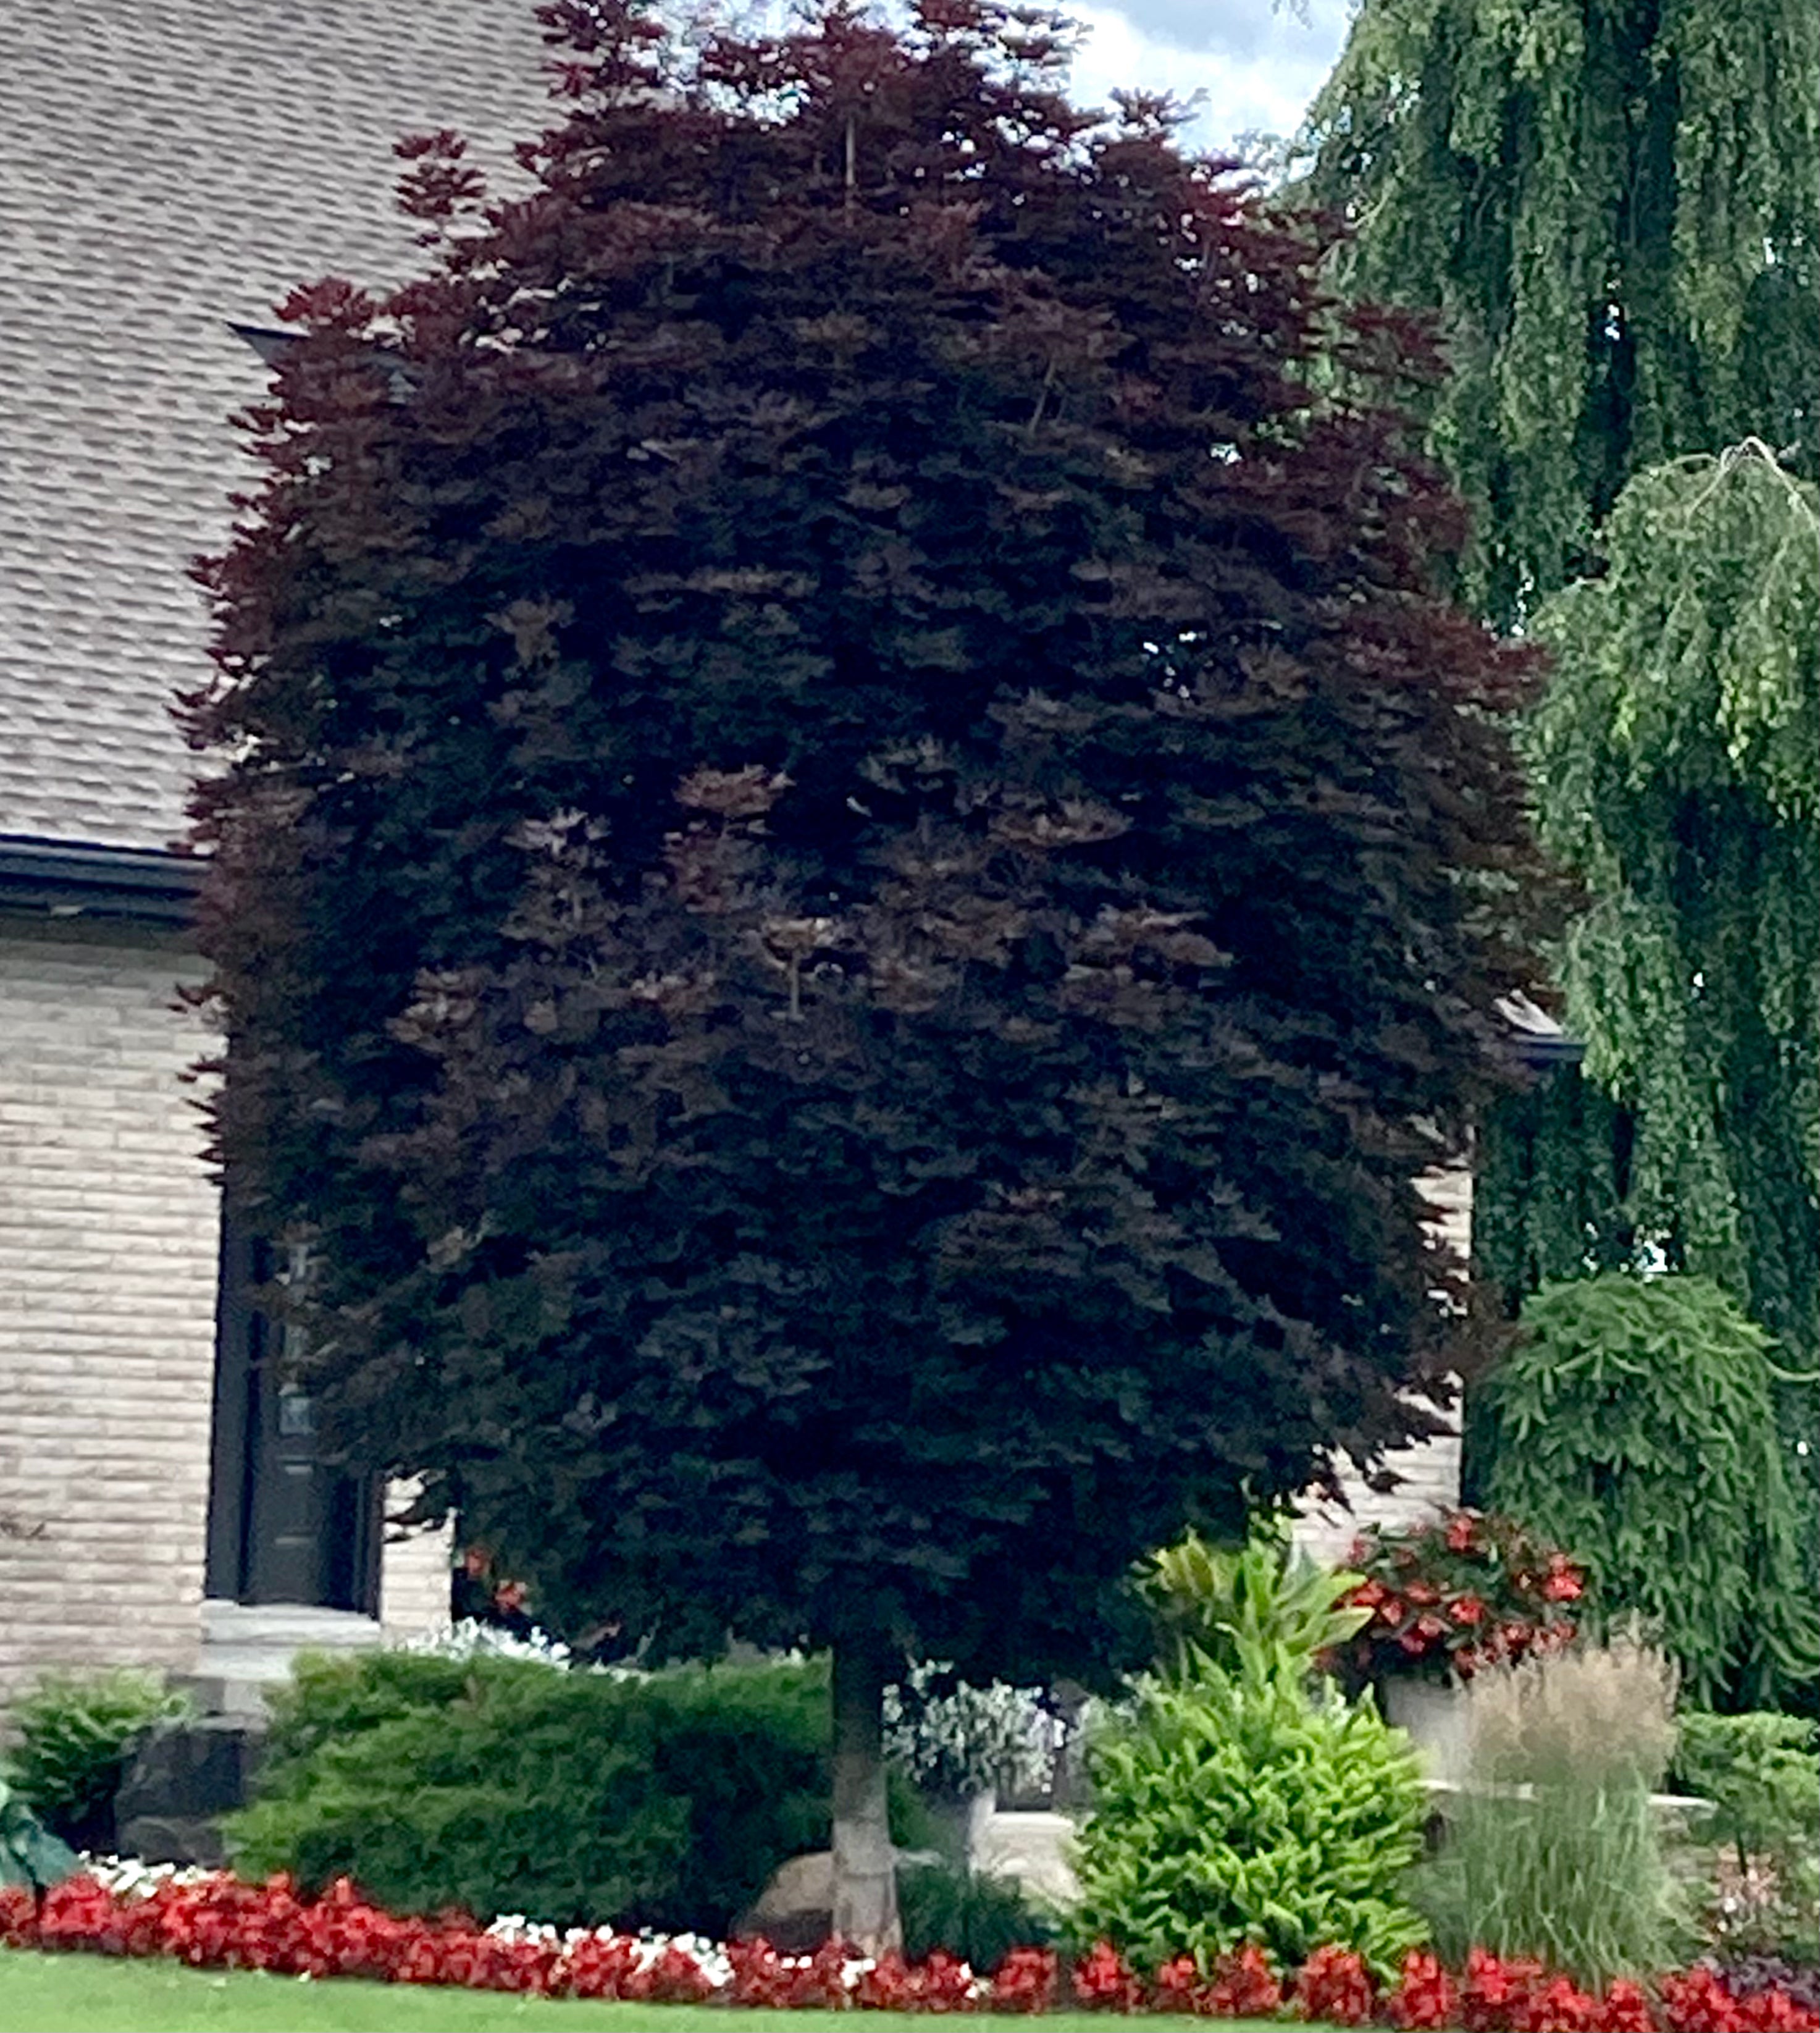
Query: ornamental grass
(1555,1851)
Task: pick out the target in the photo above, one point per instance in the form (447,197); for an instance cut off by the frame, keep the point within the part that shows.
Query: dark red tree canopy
(856,869)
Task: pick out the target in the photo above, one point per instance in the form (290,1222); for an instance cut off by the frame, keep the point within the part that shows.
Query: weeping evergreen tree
(1675,767)
(1613,206)
(1676,762)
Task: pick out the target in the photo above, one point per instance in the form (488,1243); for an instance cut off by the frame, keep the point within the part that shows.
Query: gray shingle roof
(167,166)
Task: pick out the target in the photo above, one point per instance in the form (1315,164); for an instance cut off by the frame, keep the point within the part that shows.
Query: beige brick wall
(108,1252)
(1431,1483)
(413,1573)
(1430,1471)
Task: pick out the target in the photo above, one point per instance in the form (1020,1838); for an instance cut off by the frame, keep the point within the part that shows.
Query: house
(169,168)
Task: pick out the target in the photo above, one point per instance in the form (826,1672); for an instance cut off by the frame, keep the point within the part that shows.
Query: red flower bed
(218,1922)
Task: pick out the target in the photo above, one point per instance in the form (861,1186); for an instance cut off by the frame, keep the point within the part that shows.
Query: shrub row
(659,1800)
(215,1921)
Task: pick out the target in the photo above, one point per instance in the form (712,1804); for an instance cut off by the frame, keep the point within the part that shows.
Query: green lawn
(82,1994)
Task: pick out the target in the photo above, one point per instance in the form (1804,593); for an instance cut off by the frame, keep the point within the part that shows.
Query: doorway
(284,1525)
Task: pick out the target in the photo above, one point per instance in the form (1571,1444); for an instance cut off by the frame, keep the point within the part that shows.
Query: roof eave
(75,879)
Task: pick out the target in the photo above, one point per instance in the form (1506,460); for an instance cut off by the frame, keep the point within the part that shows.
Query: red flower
(1178,1986)
(1557,2006)
(1492,1991)
(1562,1588)
(1625,2009)
(1103,1981)
(1243,1986)
(1335,1986)
(1698,2003)
(1025,1981)
(1424,1996)
(1462,1533)
(1467,1609)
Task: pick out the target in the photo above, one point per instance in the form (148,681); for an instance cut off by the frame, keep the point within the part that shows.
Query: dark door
(284,1525)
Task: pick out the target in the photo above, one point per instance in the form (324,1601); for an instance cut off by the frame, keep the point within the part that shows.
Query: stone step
(298,1626)
(248,1647)
(1035,1850)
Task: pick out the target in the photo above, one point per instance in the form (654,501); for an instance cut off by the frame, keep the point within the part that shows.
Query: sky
(1258,63)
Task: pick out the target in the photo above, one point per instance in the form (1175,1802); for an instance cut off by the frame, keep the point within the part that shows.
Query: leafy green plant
(1234,1807)
(76,1732)
(979,1918)
(663,1800)
(30,1855)
(1634,1422)
(1761,1774)
(1555,1848)
(1214,1605)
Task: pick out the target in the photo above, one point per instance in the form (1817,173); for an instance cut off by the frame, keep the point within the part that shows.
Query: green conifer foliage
(1675,759)
(1633,1426)
(1613,206)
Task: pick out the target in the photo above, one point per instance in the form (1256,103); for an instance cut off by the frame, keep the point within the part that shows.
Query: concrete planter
(1434,1714)
(962,1822)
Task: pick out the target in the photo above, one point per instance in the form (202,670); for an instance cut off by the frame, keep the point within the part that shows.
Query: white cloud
(1258,66)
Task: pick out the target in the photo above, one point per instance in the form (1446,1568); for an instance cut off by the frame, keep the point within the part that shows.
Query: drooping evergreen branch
(1675,760)
(1614,212)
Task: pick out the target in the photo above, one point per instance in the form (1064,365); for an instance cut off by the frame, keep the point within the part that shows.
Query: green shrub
(1240,1806)
(1633,1423)
(500,1785)
(1762,1774)
(977,1918)
(1555,1849)
(77,1733)
(1210,1602)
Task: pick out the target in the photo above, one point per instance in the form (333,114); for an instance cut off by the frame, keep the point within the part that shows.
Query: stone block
(185,1776)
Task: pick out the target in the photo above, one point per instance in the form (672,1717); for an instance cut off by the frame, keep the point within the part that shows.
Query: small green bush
(1633,1423)
(1555,1849)
(1239,1806)
(976,1917)
(1762,1774)
(76,1732)
(657,1800)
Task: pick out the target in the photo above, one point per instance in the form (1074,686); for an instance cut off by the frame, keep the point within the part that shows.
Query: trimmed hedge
(662,1800)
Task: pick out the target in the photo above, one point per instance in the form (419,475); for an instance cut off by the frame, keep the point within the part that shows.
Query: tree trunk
(865,1869)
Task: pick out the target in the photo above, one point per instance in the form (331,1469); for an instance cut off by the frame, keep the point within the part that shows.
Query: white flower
(472,1639)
